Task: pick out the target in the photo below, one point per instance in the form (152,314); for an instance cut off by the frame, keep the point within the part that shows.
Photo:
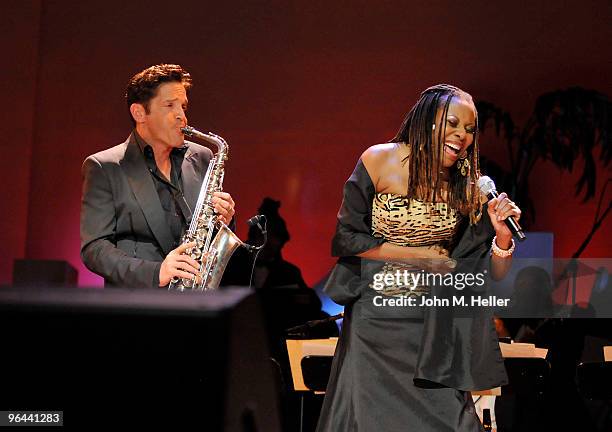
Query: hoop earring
(463,165)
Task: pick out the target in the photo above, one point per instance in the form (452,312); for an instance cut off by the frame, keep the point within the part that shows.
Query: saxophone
(214,241)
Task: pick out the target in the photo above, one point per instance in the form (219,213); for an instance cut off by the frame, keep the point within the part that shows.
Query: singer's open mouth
(453,148)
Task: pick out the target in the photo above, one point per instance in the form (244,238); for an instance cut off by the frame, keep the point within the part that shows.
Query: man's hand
(224,206)
(178,264)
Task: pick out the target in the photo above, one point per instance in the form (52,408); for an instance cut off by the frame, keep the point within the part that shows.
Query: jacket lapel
(139,178)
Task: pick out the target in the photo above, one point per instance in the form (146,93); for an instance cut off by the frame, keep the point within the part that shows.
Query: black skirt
(372,388)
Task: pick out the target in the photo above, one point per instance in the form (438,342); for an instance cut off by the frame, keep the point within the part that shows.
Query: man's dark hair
(143,86)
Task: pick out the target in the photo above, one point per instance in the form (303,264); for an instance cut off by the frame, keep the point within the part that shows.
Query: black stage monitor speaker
(111,357)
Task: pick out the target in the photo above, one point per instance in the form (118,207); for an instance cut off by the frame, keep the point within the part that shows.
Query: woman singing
(412,205)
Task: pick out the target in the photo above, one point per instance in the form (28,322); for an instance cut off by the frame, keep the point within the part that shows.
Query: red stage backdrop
(299,90)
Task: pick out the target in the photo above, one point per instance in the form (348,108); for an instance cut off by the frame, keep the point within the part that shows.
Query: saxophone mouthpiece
(187,130)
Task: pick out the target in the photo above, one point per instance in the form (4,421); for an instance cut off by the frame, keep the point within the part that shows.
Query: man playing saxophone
(139,195)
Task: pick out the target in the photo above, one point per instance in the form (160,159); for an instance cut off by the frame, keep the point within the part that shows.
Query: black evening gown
(403,369)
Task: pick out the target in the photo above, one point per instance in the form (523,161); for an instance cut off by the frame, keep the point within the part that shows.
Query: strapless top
(409,222)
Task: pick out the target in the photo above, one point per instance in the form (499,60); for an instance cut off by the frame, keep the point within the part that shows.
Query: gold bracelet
(502,253)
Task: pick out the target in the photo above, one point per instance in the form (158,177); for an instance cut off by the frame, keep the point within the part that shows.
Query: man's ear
(138,112)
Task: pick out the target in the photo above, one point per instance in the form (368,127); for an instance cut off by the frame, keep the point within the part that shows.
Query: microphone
(487,187)
(258,220)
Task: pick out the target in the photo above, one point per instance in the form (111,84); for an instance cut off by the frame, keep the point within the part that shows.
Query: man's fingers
(182,248)
(221,207)
(224,196)
(186,259)
(183,267)
(223,204)
(182,274)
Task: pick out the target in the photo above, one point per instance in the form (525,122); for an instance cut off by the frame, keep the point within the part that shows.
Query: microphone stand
(257,221)
(572,265)
(301,331)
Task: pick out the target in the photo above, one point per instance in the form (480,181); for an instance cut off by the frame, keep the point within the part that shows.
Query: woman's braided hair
(418,132)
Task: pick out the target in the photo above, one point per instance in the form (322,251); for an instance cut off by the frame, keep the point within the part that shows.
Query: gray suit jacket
(124,235)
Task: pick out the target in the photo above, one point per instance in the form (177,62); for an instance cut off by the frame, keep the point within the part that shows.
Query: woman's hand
(435,259)
(431,258)
(499,209)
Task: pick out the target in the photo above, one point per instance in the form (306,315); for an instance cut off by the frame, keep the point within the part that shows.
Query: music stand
(310,361)
(526,375)
(594,380)
(316,371)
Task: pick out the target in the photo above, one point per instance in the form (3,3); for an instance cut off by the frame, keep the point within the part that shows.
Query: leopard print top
(411,222)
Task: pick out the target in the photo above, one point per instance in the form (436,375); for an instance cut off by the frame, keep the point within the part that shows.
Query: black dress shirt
(170,191)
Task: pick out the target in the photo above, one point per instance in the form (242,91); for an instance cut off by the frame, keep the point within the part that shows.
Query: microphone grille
(256,219)
(486,185)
